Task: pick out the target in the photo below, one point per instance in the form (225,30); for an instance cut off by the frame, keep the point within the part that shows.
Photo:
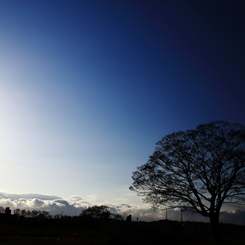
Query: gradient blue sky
(88,87)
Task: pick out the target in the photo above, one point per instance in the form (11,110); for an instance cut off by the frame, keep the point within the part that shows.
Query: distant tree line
(93,212)
(27,213)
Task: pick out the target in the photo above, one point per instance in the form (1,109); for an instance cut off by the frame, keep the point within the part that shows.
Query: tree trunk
(214,221)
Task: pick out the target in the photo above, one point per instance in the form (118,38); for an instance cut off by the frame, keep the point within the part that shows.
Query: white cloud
(74,205)
(75,198)
(92,197)
(121,200)
(15,196)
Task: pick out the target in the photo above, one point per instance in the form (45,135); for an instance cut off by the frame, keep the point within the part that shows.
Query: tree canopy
(102,211)
(198,169)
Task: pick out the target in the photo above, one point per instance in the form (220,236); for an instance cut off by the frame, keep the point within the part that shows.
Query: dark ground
(68,230)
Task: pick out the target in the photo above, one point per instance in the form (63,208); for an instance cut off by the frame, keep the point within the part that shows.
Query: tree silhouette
(2,210)
(98,212)
(199,169)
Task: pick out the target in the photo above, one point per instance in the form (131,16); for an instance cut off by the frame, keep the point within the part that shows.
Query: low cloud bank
(74,205)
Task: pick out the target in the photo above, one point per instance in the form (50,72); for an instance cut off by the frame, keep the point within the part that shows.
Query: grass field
(111,232)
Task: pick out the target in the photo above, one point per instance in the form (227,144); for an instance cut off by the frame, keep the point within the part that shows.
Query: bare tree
(199,169)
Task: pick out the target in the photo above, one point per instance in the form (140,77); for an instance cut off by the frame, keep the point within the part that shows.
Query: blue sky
(88,87)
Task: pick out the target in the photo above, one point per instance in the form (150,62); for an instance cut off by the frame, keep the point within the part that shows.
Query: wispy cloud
(20,95)
(15,196)
(121,200)
(92,197)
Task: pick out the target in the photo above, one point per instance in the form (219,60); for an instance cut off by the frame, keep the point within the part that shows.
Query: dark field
(68,230)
